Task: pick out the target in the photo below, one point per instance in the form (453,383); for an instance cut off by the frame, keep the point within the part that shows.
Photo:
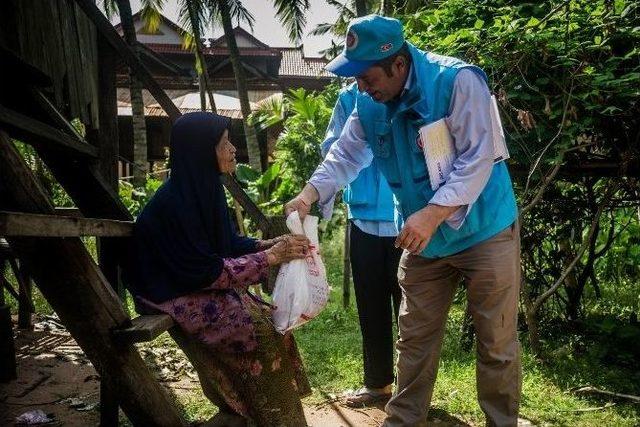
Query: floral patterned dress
(230,323)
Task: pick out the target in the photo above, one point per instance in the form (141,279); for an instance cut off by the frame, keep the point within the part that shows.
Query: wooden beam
(5,284)
(144,328)
(38,225)
(78,292)
(247,204)
(33,131)
(129,57)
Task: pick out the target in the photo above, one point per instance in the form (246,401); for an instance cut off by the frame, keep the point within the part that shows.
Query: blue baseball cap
(369,39)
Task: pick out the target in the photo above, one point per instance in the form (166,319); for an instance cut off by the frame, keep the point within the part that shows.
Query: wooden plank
(105,138)
(38,225)
(247,204)
(73,212)
(33,131)
(4,283)
(129,57)
(144,328)
(25,300)
(24,287)
(75,288)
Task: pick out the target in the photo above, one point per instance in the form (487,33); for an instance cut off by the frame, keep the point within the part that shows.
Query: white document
(440,152)
(500,151)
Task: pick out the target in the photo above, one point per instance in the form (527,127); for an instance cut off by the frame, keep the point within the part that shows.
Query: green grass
(331,348)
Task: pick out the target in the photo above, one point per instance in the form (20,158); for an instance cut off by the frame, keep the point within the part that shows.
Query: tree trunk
(361,7)
(140,163)
(386,7)
(203,79)
(253,149)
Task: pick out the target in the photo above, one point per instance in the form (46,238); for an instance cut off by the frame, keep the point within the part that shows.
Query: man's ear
(401,63)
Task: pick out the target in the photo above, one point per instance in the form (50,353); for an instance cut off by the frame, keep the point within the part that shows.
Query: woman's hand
(289,247)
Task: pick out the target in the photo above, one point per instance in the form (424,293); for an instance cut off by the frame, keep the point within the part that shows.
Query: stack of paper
(440,152)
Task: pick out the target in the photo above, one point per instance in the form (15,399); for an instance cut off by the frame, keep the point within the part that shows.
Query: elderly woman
(189,262)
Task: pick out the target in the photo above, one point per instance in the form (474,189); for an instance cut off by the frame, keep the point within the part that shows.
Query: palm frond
(270,112)
(321,29)
(343,9)
(110,8)
(192,17)
(150,14)
(240,14)
(292,13)
(332,51)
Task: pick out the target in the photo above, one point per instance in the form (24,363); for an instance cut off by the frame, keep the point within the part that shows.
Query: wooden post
(25,305)
(105,138)
(71,282)
(346,279)
(7,347)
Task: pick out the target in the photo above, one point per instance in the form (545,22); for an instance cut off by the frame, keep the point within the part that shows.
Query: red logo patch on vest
(386,47)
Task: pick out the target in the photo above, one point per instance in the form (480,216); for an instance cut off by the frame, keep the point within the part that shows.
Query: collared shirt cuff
(456,219)
(326,200)
(450,197)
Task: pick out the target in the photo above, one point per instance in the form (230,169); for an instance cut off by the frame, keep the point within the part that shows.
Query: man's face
(381,86)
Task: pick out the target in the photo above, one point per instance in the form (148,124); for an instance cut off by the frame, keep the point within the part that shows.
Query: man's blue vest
(392,130)
(369,196)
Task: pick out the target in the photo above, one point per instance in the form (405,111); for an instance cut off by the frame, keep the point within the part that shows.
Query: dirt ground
(55,376)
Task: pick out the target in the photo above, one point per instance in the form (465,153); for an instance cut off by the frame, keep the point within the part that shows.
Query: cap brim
(344,67)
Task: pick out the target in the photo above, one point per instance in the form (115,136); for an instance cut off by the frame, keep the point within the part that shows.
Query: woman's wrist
(272,259)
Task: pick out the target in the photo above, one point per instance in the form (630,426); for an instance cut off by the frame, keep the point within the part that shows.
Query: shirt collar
(409,82)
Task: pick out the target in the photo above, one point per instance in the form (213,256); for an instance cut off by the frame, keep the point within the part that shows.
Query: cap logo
(386,47)
(352,40)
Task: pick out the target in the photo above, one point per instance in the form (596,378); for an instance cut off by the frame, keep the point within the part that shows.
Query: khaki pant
(491,271)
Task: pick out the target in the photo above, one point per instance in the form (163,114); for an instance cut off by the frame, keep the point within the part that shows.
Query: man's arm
(344,161)
(469,122)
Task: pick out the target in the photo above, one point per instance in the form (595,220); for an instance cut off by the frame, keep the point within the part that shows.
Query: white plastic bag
(301,290)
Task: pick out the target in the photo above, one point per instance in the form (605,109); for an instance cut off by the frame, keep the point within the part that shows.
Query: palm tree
(354,8)
(292,15)
(193,17)
(151,15)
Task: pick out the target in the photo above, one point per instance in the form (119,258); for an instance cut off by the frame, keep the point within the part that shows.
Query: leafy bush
(135,198)
(567,78)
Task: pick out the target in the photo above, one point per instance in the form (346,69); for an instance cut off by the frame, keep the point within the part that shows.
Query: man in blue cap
(374,261)
(464,228)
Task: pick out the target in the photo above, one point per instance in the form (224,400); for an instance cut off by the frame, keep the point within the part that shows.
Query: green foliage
(135,198)
(565,72)
(567,78)
(304,117)
(298,147)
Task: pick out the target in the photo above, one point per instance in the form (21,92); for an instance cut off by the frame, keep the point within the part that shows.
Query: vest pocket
(382,149)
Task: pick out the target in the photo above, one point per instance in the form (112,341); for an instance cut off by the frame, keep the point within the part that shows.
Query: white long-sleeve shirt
(469,123)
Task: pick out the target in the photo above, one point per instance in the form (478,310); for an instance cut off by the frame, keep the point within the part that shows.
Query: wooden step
(21,224)
(143,328)
(31,131)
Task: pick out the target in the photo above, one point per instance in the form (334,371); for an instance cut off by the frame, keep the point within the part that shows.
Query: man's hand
(302,202)
(419,227)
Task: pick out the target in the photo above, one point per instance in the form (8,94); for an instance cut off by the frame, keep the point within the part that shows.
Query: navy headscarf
(184,231)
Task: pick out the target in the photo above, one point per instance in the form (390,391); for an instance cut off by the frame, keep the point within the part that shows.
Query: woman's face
(226,153)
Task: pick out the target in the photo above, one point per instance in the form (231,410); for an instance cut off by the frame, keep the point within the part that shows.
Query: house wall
(166,34)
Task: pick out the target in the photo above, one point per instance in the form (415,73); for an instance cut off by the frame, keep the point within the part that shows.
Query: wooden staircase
(85,295)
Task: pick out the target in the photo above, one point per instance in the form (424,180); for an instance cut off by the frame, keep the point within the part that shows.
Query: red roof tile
(295,64)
